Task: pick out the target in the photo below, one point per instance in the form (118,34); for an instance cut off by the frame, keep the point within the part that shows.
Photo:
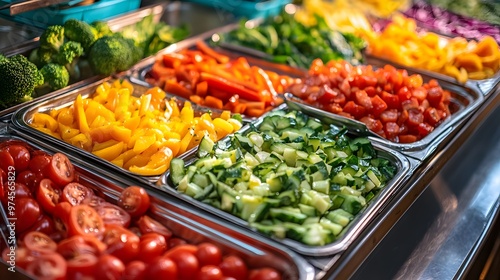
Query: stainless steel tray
(21,120)
(464,101)
(256,251)
(353,229)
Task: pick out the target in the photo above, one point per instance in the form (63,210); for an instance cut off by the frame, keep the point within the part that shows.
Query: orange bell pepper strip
(210,52)
(202,88)
(213,102)
(224,84)
(174,87)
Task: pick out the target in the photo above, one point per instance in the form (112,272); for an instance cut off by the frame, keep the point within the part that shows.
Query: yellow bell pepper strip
(138,133)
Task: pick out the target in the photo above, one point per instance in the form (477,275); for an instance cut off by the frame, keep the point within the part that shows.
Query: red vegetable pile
(393,104)
(65,230)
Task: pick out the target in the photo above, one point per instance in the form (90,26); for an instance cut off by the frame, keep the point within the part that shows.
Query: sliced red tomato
(44,224)
(113,215)
(147,224)
(48,195)
(21,257)
(39,242)
(121,243)
(48,266)
(78,245)
(135,200)
(76,193)
(61,170)
(81,266)
(84,220)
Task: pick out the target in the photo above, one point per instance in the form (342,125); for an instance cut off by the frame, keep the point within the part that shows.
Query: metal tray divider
(349,234)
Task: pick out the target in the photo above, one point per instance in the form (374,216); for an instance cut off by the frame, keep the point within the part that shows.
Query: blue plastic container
(246,9)
(52,15)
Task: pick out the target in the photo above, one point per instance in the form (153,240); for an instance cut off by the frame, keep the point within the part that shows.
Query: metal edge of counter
(348,263)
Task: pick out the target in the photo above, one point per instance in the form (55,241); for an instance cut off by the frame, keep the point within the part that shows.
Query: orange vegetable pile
(214,80)
(141,134)
(457,57)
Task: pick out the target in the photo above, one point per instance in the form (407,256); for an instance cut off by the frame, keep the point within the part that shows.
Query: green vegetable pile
(291,177)
(287,41)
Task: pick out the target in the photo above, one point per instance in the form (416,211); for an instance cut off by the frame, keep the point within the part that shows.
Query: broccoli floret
(19,79)
(55,76)
(41,56)
(101,28)
(112,54)
(52,38)
(68,57)
(79,31)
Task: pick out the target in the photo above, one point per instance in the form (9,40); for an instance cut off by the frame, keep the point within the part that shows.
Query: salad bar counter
(290,146)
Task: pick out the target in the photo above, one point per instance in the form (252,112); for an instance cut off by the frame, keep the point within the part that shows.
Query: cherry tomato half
(112,214)
(147,224)
(48,266)
(39,242)
(76,193)
(61,170)
(48,195)
(135,200)
(85,220)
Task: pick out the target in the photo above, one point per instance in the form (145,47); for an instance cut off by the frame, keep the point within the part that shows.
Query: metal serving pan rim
(19,120)
(353,229)
(167,209)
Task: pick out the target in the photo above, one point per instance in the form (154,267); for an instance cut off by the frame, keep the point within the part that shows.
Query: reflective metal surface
(353,229)
(192,227)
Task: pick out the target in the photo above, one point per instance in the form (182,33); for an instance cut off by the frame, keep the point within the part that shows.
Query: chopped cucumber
(289,177)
